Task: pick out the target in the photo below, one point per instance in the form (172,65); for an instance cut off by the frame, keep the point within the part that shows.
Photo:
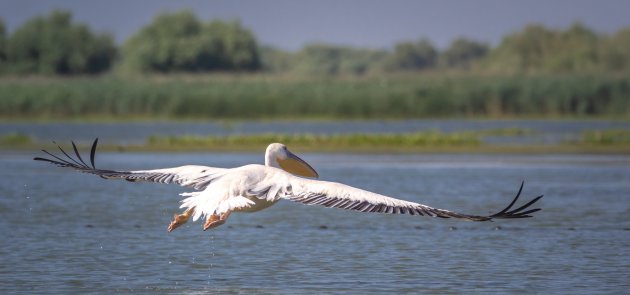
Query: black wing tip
(519,212)
(46,160)
(93,152)
(69,161)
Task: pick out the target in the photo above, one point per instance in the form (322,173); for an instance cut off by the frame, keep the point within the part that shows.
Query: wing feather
(197,177)
(337,195)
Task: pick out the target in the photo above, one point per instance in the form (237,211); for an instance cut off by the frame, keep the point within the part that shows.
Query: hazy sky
(377,24)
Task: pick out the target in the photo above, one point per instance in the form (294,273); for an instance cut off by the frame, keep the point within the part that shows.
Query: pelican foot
(180,219)
(215,220)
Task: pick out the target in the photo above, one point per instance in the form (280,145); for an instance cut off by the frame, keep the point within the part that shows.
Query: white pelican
(221,191)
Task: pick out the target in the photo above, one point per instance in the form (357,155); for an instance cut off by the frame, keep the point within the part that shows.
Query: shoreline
(152,119)
(493,139)
(590,149)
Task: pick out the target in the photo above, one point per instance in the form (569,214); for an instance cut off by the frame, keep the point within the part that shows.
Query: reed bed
(213,97)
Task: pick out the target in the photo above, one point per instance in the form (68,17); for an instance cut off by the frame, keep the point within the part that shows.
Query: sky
(368,23)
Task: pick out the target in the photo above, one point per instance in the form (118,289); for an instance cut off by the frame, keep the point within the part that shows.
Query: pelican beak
(294,165)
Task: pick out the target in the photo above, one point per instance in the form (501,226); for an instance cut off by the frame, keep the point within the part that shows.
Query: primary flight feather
(221,191)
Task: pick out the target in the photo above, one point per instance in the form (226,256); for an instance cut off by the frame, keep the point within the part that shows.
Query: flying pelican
(250,188)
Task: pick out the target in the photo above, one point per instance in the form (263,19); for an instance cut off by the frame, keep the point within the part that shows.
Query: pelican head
(277,155)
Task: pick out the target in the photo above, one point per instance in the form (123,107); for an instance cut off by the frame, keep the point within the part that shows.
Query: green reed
(211,97)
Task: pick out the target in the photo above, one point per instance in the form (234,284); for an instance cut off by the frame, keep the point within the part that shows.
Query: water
(66,232)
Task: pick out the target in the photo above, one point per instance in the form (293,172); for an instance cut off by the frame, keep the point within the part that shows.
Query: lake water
(65,232)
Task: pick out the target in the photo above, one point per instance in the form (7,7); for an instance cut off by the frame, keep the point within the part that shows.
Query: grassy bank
(606,137)
(604,142)
(273,97)
(596,141)
(346,142)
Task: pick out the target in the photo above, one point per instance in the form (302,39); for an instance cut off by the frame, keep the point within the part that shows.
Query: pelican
(220,191)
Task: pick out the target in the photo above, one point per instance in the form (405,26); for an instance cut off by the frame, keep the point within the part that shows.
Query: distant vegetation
(180,42)
(263,97)
(354,141)
(53,45)
(182,68)
(15,139)
(594,141)
(606,137)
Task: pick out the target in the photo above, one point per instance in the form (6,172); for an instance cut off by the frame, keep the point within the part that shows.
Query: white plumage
(250,188)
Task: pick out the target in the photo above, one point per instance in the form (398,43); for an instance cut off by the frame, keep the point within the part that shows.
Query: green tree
(238,46)
(573,50)
(54,45)
(413,56)
(180,42)
(324,59)
(275,60)
(320,59)
(538,49)
(462,53)
(615,54)
(170,42)
(524,51)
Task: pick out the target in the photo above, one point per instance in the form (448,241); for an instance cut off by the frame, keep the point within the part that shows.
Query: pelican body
(220,191)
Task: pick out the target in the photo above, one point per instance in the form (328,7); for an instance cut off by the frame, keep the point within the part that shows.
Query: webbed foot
(215,220)
(180,219)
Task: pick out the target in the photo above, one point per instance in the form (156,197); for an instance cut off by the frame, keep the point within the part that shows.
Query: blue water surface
(67,232)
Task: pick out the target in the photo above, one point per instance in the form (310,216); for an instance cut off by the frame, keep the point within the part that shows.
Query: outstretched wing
(197,177)
(332,194)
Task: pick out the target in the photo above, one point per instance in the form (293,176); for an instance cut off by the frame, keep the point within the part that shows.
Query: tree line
(54,44)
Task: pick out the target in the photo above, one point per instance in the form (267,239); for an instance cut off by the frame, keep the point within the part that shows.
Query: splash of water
(212,253)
